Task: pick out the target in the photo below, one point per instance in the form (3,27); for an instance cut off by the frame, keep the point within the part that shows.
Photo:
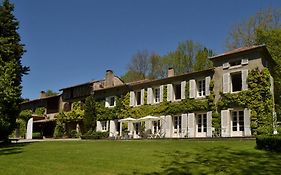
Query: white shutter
(169,92)
(184,124)
(112,128)
(106,102)
(142,96)
(244,79)
(132,98)
(149,96)
(161,93)
(209,124)
(130,127)
(98,128)
(247,122)
(207,85)
(183,84)
(29,129)
(169,126)
(225,65)
(192,88)
(163,125)
(191,125)
(226,83)
(244,61)
(225,124)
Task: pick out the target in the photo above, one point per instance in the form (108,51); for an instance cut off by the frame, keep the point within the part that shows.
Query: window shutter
(209,124)
(169,92)
(247,122)
(148,125)
(191,125)
(149,96)
(244,79)
(226,83)
(98,128)
(225,124)
(106,102)
(183,84)
(132,98)
(184,124)
(244,61)
(169,126)
(112,128)
(207,85)
(163,125)
(29,128)
(225,65)
(192,88)
(161,93)
(142,96)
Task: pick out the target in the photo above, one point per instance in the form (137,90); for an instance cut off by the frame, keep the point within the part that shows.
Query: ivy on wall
(258,98)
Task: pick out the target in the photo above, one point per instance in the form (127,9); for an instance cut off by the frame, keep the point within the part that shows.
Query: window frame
(201,93)
(176,91)
(177,124)
(238,122)
(108,102)
(103,125)
(231,81)
(137,98)
(156,89)
(201,122)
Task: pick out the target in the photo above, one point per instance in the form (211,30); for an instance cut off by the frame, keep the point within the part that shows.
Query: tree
(11,69)
(139,63)
(156,66)
(202,61)
(90,114)
(244,33)
(49,93)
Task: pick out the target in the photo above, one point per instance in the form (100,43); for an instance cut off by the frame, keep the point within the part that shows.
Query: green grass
(138,157)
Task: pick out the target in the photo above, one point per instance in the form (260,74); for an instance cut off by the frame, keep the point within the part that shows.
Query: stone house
(228,75)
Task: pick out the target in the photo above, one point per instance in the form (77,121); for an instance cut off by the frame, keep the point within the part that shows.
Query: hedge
(95,135)
(269,143)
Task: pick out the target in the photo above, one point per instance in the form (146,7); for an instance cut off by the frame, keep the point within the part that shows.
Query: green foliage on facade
(90,115)
(258,98)
(40,111)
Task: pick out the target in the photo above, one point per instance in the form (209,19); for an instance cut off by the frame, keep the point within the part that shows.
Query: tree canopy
(11,69)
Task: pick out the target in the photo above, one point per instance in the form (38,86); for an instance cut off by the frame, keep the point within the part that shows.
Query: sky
(69,42)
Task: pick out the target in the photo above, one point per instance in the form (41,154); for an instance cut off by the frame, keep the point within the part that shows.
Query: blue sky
(70,42)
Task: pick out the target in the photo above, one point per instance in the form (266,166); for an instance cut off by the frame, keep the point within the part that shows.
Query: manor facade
(190,100)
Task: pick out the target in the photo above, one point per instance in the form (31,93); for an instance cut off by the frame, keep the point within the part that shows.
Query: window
(177,90)
(236,81)
(177,124)
(156,95)
(103,125)
(202,123)
(201,88)
(237,120)
(110,101)
(156,126)
(137,127)
(138,97)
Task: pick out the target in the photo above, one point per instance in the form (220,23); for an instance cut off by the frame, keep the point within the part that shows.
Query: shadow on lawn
(11,148)
(220,160)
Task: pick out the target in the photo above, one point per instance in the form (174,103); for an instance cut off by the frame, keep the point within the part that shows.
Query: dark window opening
(111,101)
(138,97)
(236,81)
(235,63)
(177,88)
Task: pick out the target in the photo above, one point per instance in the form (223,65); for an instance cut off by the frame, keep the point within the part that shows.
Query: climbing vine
(258,98)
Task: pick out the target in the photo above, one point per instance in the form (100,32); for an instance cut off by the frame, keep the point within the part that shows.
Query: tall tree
(156,65)
(139,63)
(90,114)
(244,33)
(11,69)
(202,61)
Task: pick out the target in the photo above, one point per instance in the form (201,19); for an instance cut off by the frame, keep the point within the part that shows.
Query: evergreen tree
(90,114)
(11,69)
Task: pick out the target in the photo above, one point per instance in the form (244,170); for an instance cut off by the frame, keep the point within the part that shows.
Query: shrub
(74,134)
(37,135)
(270,143)
(95,135)
(59,130)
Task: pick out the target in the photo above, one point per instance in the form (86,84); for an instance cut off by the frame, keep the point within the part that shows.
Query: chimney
(42,94)
(171,72)
(109,77)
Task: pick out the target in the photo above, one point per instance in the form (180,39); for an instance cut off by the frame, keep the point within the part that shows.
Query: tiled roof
(238,50)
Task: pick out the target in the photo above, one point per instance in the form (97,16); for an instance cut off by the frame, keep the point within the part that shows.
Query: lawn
(138,157)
